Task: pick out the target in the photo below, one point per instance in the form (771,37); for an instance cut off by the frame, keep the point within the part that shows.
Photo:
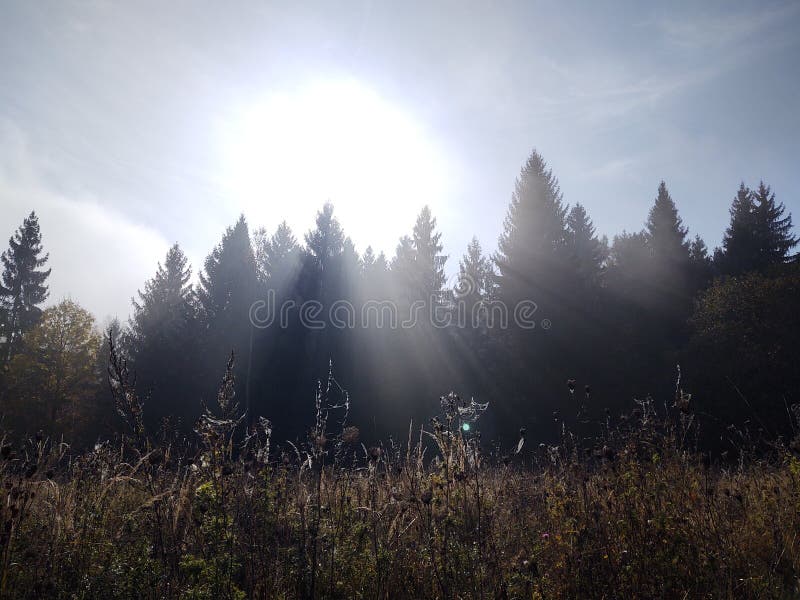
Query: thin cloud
(721,30)
(97,257)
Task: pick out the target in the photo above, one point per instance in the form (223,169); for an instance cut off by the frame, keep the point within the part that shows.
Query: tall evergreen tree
(368,259)
(326,241)
(227,290)
(668,282)
(773,230)
(739,244)
(531,256)
(428,258)
(758,235)
(160,340)
(701,263)
(587,251)
(534,268)
(227,284)
(666,235)
(476,279)
(22,288)
(375,275)
(278,257)
(403,269)
(274,254)
(165,307)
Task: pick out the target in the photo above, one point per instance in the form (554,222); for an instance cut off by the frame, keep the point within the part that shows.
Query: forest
(606,324)
(569,416)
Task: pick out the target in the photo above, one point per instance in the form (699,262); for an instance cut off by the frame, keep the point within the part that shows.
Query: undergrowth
(632,511)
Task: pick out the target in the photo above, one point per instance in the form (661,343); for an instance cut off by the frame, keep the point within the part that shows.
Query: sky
(129,126)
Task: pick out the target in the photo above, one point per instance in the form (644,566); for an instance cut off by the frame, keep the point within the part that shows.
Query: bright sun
(288,153)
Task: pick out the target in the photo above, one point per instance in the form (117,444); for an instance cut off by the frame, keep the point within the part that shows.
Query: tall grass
(633,512)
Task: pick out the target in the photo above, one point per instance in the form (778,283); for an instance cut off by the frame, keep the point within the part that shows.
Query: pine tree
(666,235)
(368,259)
(277,257)
(375,272)
(428,260)
(23,287)
(773,230)
(165,307)
(349,269)
(702,265)
(227,284)
(327,240)
(476,275)
(739,244)
(758,236)
(586,250)
(227,290)
(531,255)
(403,270)
(161,340)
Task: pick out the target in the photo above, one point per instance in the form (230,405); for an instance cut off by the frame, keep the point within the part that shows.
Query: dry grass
(634,514)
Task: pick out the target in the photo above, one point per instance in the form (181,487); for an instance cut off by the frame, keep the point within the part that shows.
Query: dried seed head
(350,435)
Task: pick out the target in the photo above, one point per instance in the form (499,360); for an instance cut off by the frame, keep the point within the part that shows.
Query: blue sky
(115,118)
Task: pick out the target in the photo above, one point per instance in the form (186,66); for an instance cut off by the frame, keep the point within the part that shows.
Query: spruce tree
(403,270)
(165,307)
(666,235)
(758,236)
(227,290)
(701,263)
(773,230)
(375,271)
(22,288)
(532,256)
(326,241)
(161,340)
(586,250)
(368,259)
(739,244)
(428,260)
(476,276)
(227,283)
(277,256)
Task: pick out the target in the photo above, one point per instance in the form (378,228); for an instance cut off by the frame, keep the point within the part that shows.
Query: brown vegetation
(635,514)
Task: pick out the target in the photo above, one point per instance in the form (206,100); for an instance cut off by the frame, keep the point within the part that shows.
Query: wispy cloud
(97,256)
(725,29)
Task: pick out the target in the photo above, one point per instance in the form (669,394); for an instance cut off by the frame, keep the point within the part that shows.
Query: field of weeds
(634,514)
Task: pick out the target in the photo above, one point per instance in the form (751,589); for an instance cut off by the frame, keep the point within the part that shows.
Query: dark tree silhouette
(23,287)
(588,252)
(228,287)
(532,254)
(160,338)
(428,258)
(758,236)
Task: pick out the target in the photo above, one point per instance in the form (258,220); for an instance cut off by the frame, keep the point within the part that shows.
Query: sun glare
(337,141)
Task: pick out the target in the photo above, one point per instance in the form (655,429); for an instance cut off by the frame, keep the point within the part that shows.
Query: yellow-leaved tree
(54,378)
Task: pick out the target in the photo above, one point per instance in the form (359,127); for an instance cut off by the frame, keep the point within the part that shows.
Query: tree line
(606,323)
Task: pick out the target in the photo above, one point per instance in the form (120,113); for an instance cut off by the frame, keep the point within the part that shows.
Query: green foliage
(744,338)
(54,376)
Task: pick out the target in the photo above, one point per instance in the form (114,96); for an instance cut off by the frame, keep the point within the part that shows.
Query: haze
(130,126)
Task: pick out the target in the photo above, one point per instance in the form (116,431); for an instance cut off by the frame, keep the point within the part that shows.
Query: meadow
(635,511)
